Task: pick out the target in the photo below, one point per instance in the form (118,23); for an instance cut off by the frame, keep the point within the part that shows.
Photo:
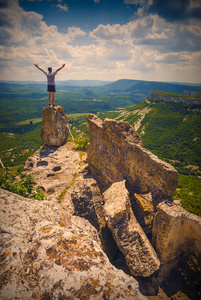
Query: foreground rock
(176,231)
(55,129)
(129,236)
(48,255)
(116,152)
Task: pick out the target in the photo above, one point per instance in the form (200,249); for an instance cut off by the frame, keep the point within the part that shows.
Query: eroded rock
(144,212)
(46,254)
(116,152)
(53,168)
(88,203)
(55,129)
(176,231)
(129,236)
(175,98)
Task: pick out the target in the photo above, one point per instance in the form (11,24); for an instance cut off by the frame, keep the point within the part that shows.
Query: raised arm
(38,67)
(60,68)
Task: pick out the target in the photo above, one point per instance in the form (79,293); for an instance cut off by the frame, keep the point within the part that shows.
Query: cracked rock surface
(48,254)
(53,168)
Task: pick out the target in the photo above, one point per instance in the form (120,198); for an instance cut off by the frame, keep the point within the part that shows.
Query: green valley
(20,102)
(170,130)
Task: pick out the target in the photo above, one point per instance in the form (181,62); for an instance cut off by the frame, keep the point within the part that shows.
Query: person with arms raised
(50,82)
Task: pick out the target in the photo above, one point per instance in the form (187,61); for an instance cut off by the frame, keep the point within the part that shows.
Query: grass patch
(63,193)
(20,184)
(33,121)
(173,94)
(189,192)
(190,269)
(77,115)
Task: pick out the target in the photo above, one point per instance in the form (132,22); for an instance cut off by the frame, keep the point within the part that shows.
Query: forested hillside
(18,145)
(170,130)
(21,102)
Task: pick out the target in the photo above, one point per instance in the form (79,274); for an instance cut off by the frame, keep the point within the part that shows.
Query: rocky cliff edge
(54,249)
(116,152)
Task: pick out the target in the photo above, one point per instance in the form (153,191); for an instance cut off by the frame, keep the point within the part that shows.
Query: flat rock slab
(116,152)
(53,168)
(48,255)
(129,236)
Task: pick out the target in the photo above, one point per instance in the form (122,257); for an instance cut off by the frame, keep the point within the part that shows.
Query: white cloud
(117,52)
(150,44)
(153,32)
(96,1)
(109,32)
(63,7)
(74,32)
(144,47)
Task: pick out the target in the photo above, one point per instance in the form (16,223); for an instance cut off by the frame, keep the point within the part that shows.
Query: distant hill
(11,82)
(83,83)
(80,83)
(121,85)
(22,101)
(172,97)
(137,89)
(144,87)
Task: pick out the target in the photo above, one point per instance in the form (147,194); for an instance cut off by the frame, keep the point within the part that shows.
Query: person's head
(50,70)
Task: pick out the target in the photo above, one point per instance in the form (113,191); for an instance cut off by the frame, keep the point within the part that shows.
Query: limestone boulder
(116,152)
(47,254)
(176,231)
(129,236)
(55,129)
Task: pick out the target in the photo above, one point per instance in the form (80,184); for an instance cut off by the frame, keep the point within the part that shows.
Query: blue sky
(86,14)
(101,39)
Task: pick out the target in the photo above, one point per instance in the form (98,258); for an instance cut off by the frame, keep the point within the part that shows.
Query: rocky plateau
(111,204)
(195,99)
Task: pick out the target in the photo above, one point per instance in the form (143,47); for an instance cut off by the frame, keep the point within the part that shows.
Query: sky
(154,40)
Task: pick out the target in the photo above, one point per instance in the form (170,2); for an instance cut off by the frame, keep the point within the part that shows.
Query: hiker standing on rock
(50,82)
